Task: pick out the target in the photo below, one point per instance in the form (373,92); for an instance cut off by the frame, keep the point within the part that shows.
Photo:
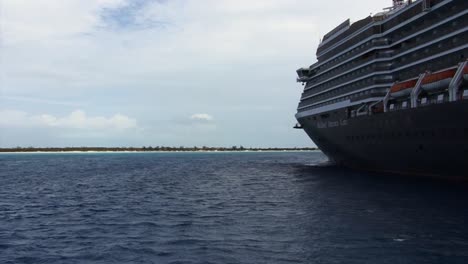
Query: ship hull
(431,140)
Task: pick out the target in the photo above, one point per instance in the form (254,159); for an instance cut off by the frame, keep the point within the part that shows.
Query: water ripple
(222,208)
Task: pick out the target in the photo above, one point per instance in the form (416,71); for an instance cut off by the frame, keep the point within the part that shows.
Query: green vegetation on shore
(149,148)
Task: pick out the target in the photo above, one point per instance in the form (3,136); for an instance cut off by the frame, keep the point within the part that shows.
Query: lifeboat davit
(465,73)
(437,80)
(402,88)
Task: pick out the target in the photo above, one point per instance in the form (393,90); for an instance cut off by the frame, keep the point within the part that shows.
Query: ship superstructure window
(440,98)
(415,27)
(360,64)
(426,4)
(465,94)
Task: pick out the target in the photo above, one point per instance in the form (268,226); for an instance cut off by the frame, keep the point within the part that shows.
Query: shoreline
(55,151)
(141,152)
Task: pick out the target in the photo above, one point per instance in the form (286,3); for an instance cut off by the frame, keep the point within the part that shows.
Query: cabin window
(424,100)
(392,106)
(465,93)
(440,98)
(404,104)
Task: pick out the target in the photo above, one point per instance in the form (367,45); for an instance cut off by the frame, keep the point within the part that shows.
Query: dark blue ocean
(222,208)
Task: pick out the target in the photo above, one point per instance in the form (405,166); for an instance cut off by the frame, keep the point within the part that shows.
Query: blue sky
(167,72)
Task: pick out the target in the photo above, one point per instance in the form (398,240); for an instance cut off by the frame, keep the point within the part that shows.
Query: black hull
(431,140)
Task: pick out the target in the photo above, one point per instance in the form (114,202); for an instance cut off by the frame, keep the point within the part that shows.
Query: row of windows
(344,67)
(330,94)
(342,79)
(364,46)
(353,41)
(412,11)
(432,65)
(424,100)
(439,31)
(435,33)
(435,64)
(434,49)
(416,26)
(347,89)
(354,27)
(353,96)
(409,44)
(444,11)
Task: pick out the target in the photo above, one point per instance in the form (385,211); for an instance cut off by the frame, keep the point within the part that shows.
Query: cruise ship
(390,92)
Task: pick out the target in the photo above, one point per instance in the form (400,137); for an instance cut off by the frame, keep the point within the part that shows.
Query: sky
(159,72)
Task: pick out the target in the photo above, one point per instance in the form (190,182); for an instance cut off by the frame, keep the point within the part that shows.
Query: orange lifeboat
(438,80)
(403,88)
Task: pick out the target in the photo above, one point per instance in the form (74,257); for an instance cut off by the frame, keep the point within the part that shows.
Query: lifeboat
(403,88)
(438,80)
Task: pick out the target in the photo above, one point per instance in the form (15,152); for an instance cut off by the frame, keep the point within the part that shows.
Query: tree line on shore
(148,148)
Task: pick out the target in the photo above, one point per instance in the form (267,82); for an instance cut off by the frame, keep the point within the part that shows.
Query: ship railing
(368,108)
(362,110)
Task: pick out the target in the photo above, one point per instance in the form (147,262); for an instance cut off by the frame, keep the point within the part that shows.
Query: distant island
(148,148)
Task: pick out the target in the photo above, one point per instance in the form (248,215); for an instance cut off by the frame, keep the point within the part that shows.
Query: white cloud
(229,57)
(75,120)
(26,99)
(24,20)
(201,117)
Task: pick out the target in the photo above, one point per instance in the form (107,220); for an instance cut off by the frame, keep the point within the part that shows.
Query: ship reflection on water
(367,217)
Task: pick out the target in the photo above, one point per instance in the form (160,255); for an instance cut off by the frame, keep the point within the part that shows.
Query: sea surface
(266,207)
